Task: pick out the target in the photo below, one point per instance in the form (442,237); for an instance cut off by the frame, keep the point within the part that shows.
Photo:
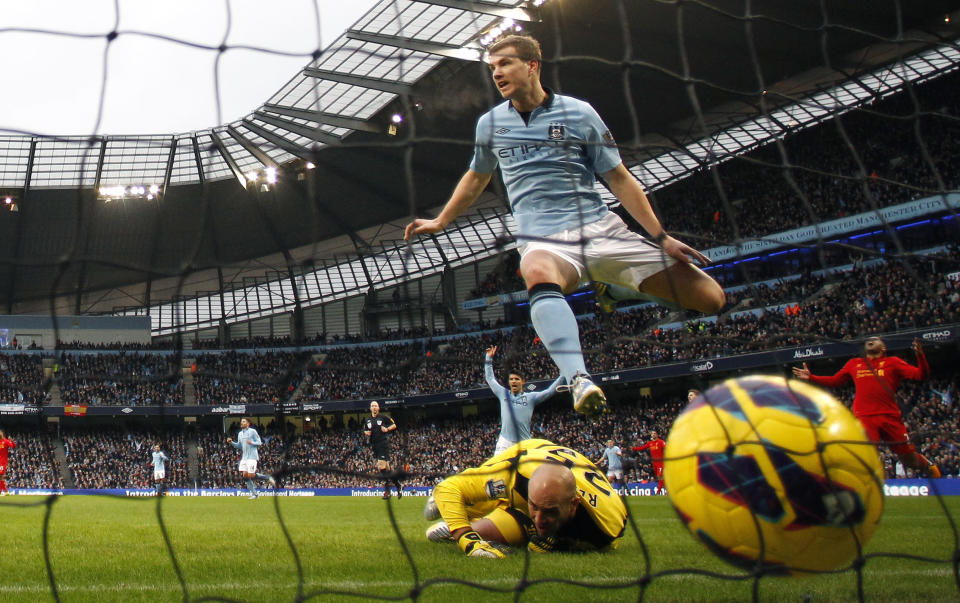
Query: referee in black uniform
(376,427)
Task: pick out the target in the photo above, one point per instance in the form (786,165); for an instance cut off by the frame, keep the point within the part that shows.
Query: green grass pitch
(110,549)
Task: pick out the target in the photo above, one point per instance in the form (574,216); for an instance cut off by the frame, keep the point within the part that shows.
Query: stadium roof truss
(336,279)
(382,57)
(751,133)
(341,91)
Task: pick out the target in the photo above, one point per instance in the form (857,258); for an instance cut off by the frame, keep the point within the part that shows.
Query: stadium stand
(336,455)
(112,457)
(32,463)
(119,379)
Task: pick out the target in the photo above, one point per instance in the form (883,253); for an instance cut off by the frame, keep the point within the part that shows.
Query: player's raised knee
(713,299)
(707,297)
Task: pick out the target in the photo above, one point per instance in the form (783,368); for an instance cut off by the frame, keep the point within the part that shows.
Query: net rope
(927,122)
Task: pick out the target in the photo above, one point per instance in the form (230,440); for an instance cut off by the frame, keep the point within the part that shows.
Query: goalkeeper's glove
(542,544)
(474,546)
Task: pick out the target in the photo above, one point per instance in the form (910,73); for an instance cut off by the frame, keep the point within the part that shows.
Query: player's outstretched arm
(464,195)
(498,390)
(630,193)
(836,380)
(802,373)
(922,371)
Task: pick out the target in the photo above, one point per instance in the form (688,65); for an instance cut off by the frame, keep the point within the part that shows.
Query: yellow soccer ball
(775,475)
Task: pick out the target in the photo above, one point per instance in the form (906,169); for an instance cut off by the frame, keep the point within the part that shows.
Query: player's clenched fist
(474,546)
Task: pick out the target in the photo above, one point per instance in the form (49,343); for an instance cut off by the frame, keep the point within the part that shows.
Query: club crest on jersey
(495,488)
(608,139)
(555,131)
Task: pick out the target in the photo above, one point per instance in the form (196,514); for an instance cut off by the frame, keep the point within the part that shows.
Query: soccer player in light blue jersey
(516,405)
(159,469)
(613,457)
(249,442)
(549,148)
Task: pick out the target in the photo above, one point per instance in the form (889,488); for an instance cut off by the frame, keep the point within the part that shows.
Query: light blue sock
(263,476)
(557,327)
(251,486)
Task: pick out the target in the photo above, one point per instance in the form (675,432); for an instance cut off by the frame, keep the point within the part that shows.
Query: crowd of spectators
(116,458)
(428,448)
(240,378)
(880,298)
(432,449)
(130,346)
(21,379)
(120,379)
(32,464)
(877,297)
(933,419)
(257,341)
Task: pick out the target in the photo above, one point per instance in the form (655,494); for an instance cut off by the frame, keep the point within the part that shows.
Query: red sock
(3,485)
(660,485)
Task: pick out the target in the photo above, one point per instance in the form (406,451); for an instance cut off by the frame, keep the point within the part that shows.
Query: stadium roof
(666,77)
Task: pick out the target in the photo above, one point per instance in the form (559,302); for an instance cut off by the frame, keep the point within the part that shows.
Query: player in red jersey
(655,446)
(5,445)
(875,378)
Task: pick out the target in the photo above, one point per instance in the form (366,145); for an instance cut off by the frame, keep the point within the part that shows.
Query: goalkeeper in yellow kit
(538,493)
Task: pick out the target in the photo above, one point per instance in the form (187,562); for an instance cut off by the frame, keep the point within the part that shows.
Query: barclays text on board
(892,487)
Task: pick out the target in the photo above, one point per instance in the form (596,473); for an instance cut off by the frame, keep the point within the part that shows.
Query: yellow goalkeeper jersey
(600,517)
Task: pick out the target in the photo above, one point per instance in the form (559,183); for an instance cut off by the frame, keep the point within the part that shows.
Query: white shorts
(615,474)
(161,474)
(248,465)
(502,444)
(611,252)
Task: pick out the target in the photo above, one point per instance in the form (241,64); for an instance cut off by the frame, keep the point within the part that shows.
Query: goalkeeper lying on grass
(537,493)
